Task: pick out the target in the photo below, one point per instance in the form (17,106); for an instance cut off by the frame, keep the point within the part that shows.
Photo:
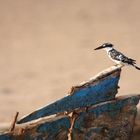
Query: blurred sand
(47,46)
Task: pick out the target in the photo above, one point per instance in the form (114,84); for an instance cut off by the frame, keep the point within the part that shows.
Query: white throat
(108,49)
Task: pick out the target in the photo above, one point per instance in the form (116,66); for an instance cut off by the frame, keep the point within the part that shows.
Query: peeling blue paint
(112,108)
(54,126)
(51,129)
(104,90)
(91,95)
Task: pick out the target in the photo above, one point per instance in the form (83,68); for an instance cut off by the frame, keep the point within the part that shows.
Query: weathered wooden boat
(91,111)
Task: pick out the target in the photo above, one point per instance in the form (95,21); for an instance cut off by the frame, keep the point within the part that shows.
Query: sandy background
(47,46)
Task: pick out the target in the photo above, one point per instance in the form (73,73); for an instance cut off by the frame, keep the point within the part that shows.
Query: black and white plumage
(117,56)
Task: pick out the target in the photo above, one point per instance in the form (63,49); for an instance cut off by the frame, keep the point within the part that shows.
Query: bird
(116,56)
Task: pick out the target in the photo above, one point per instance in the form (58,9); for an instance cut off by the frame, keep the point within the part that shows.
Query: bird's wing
(121,57)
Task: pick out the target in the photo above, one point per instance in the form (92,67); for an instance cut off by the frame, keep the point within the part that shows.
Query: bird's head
(105,46)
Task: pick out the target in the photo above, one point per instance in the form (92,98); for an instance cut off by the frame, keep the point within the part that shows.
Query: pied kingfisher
(116,56)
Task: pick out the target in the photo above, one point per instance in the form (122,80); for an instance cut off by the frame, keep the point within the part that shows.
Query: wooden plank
(104,121)
(55,128)
(101,88)
(112,120)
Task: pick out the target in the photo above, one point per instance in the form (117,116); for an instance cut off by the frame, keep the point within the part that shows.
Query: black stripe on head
(105,45)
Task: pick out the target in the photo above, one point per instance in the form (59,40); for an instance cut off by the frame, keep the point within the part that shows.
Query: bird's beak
(98,48)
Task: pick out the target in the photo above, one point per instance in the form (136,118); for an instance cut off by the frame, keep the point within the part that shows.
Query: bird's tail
(138,68)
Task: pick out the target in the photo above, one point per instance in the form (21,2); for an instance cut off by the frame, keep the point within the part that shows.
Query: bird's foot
(122,65)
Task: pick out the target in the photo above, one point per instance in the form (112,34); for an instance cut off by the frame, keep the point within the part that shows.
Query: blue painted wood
(102,88)
(107,120)
(105,117)
(56,128)
(5,136)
